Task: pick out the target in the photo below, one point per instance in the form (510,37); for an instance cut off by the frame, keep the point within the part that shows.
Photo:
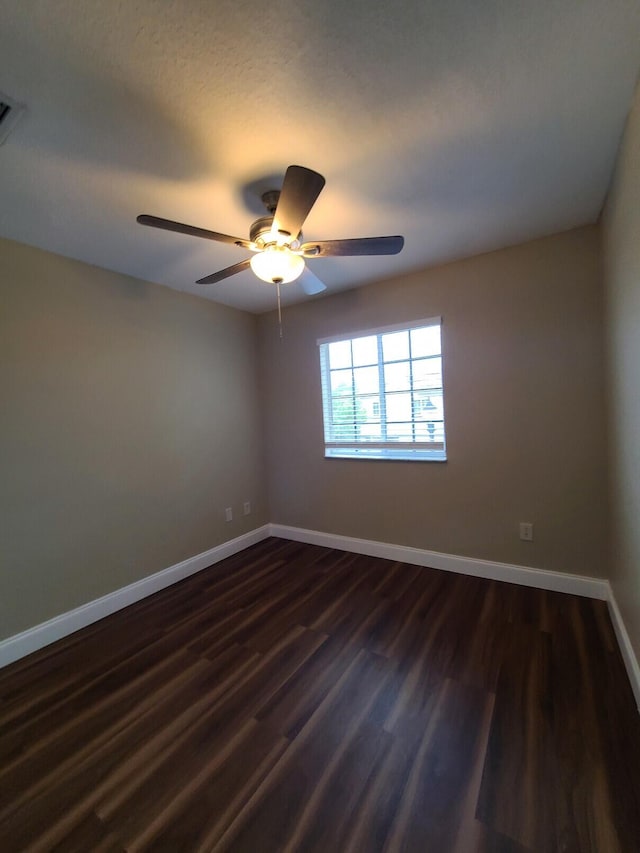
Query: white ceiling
(464,125)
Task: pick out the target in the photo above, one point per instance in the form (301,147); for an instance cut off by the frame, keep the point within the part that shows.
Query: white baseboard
(54,629)
(523,575)
(624,641)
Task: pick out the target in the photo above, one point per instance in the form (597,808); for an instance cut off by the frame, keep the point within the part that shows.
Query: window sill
(401,455)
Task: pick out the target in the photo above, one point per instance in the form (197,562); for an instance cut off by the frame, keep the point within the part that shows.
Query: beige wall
(524,400)
(621,229)
(130,419)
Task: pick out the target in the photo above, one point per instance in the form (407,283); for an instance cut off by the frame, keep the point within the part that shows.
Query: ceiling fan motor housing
(259,227)
(264,226)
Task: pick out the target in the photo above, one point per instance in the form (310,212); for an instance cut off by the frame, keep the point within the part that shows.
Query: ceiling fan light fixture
(277,265)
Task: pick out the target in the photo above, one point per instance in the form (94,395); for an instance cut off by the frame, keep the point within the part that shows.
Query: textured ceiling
(465,126)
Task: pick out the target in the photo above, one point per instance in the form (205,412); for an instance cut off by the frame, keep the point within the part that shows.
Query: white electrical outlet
(526,531)
(246,507)
(228,514)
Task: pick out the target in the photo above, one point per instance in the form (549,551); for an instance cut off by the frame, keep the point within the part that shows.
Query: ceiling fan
(280,255)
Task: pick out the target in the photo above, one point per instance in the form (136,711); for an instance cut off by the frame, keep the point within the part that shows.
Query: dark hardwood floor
(298,698)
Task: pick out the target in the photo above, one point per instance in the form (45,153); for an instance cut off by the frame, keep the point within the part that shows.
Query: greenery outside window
(382,393)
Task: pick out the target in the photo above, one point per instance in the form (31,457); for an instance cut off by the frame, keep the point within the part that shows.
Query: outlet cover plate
(526,531)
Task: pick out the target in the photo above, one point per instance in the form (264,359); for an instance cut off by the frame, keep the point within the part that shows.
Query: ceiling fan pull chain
(279,309)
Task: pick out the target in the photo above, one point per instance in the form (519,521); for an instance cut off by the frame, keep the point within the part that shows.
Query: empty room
(320,426)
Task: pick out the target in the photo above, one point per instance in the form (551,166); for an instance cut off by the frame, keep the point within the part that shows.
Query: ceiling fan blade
(359,246)
(300,189)
(191,230)
(215,277)
(310,283)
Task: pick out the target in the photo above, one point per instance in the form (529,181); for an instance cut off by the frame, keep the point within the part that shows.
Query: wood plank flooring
(297,698)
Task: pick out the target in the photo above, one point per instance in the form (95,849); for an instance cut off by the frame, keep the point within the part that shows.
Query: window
(382,393)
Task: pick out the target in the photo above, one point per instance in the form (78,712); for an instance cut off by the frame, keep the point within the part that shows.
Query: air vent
(10,112)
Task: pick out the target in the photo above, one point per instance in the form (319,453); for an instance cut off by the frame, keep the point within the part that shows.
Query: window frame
(423,450)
